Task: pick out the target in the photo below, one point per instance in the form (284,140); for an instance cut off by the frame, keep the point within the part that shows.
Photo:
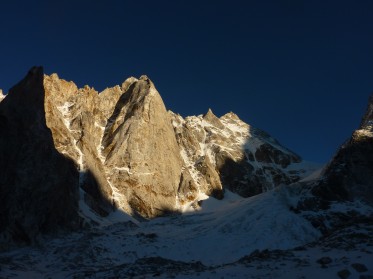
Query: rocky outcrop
(38,186)
(349,175)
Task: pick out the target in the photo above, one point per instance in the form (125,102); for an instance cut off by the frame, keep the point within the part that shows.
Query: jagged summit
(230,115)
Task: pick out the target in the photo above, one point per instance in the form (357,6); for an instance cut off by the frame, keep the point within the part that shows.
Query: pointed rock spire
(139,137)
(213,119)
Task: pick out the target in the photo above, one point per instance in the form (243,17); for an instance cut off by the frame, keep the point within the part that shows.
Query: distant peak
(54,76)
(144,77)
(36,70)
(127,83)
(211,118)
(209,113)
(230,115)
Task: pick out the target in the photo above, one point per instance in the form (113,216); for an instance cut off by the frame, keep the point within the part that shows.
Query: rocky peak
(27,93)
(127,83)
(213,119)
(139,143)
(349,175)
(144,77)
(230,116)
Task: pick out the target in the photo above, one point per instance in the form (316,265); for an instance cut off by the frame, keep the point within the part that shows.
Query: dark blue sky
(302,71)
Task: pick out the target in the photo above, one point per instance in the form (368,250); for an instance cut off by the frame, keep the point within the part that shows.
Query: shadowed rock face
(349,175)
(38,186)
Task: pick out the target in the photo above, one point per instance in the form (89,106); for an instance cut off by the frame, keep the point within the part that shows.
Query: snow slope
(221,232)
(225,232)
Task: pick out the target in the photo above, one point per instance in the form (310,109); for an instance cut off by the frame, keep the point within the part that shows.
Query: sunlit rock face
(38,186)
(134,155)
(349,175)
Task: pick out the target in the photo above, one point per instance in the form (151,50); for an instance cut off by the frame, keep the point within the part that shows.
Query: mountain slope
(257,237)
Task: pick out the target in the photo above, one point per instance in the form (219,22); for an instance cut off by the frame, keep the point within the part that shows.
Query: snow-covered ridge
(209,140)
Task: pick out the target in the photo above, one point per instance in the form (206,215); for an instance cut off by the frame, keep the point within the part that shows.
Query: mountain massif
(71,158)
(121,149)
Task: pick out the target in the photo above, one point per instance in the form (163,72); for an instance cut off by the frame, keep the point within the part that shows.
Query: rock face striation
(38,186)
(121,149)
